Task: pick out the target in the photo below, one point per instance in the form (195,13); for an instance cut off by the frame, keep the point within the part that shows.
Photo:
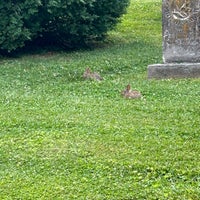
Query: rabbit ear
(128,87)
(88,70)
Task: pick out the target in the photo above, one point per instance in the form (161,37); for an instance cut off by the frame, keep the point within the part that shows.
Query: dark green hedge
(68,22)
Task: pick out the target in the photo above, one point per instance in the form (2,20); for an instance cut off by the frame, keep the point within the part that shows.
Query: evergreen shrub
(68,22)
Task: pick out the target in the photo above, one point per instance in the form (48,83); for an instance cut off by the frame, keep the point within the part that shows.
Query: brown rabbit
(91,75)
(131,94)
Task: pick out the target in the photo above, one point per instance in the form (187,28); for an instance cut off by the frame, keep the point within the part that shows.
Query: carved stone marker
(181,40)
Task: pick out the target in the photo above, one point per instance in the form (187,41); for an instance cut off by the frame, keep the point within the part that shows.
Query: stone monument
(181,40)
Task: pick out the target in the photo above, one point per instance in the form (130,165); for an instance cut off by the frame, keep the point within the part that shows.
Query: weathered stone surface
(181,30)
(181,40)
(174,70)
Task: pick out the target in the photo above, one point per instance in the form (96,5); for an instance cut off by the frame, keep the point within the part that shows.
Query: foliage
(18,23)
(62,137)
(69,22)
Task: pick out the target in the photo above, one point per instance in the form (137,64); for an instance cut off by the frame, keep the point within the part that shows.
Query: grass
(65,138)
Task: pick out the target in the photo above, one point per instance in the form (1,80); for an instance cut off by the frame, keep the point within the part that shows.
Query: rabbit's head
(87,73)
(127,90)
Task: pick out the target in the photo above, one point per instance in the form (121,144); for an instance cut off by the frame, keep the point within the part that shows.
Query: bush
(18,23)
(68,22)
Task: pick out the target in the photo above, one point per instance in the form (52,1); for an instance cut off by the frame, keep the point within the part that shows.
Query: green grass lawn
(62,137)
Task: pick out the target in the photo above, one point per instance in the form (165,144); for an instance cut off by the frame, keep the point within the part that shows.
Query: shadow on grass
(38,48)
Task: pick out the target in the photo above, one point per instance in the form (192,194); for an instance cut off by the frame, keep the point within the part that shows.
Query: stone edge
(173,70)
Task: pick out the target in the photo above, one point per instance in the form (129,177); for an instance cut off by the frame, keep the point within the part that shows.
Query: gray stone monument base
(174,70)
